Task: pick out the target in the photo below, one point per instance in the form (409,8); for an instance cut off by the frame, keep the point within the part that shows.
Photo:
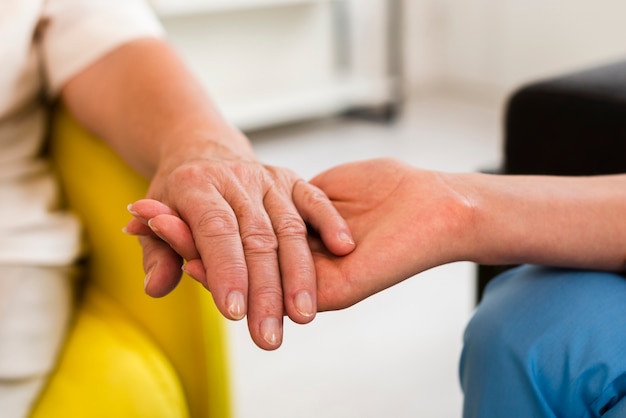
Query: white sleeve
(78,32)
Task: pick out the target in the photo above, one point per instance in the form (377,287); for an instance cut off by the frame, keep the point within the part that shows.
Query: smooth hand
(403,220)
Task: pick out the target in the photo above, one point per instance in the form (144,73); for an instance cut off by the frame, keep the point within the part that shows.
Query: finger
(176,233)
(294,256)
(162,266)
(195,269)
(317,210)
(146,209)
(260,245)
(136,227)
(216,237)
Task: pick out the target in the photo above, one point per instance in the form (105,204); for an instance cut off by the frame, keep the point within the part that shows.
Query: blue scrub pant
(547,342)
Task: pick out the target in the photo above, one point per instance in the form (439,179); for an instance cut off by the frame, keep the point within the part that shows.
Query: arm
(406,220)
(142,100)
(575,222)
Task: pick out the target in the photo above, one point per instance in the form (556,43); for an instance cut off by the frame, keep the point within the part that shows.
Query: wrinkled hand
(245,228)
(403,220)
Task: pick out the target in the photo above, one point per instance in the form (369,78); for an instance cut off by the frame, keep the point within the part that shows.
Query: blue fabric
(547,342)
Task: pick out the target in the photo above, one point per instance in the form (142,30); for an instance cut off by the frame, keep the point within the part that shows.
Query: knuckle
(290,226)
(188,173)
(271,294)
(216,222)
(320,206)
(227,270)
(315,196)
(259,240)
(305,272)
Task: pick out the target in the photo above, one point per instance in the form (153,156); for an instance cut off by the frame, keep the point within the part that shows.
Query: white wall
(268,62)
(248,55)
(494,45)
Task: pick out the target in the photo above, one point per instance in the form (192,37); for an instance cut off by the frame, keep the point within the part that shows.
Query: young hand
(403,220)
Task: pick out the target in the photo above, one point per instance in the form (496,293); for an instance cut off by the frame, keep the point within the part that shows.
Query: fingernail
(184,269)
(270,330)
(235,303)
(156,230)
(343,236)
(152,227)
(129,207)
(146,280)
(127,232)
(304,304)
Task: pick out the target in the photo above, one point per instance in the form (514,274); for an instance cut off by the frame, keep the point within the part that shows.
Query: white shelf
(174,8)
(335,97)
(275,62)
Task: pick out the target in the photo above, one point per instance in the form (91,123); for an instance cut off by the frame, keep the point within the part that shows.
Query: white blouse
(43,43)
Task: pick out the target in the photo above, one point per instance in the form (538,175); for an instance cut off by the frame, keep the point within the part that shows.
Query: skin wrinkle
(258,241)
(217,220)
(290,226)
(469,203)
(468,224)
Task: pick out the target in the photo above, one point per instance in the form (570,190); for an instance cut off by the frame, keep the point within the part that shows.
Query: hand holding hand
(404,221)
(246,223)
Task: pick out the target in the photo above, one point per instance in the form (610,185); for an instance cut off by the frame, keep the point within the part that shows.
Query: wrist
(502,227)
(203,140)
(476,214)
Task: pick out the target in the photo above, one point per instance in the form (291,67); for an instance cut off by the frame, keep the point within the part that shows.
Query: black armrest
(573,124)
(569,125)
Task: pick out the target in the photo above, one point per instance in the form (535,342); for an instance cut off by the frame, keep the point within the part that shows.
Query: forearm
(559,221)
(142,100)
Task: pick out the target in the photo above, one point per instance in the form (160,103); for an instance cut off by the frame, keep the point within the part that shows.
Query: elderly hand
(247,223)
(404,221)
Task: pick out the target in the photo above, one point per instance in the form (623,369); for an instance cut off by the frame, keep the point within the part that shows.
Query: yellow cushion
(184,329)
(110,368)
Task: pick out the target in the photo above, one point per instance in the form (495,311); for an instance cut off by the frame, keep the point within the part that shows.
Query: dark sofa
(573,124)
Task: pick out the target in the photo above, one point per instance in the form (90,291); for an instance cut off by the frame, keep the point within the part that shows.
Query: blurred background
(315,83)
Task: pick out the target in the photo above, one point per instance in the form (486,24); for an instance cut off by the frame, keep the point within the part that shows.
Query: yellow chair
(128,355)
